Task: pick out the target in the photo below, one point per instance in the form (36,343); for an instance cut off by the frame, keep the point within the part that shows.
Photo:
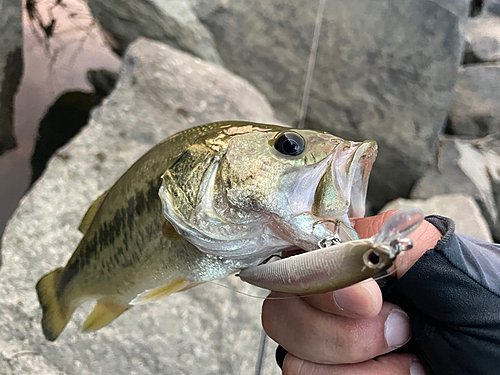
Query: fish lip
(358,174)
(353,174)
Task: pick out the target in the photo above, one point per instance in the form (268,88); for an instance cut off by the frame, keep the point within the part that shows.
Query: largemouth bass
(203,204)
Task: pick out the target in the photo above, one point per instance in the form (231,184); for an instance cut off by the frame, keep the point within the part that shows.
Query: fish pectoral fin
(169,231)
(89,215)
(103,314)
(155,294)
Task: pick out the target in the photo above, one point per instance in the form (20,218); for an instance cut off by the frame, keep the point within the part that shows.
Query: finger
(390,364)
(362,300)
(424,238)
(317,336)
(368,226)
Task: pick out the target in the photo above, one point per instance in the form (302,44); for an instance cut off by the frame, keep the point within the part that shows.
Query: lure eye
(290,143)
(372,259)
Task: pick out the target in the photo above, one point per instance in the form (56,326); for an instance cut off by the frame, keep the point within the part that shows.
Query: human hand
(349,331)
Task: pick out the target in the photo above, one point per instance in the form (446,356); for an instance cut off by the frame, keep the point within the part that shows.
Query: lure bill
(340,265)
(204,204)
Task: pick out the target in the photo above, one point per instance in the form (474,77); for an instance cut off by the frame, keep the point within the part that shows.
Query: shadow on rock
(64,119)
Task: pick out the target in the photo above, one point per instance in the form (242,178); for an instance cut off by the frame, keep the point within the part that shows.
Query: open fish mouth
(356,175)
(341,192)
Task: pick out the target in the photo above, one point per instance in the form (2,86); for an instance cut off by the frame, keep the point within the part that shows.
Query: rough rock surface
(482,37)
(467,167)
(170,21)
(475,111)
(11,68)
(385,70)
(462,208)
(206,330)
(492,8)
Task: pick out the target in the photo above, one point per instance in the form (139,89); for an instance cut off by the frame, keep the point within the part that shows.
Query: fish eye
(290,143)
(372,259)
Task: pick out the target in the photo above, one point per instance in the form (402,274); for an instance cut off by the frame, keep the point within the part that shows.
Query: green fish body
(201,205)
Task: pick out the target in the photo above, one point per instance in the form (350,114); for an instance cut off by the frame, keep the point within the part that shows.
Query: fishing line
(246,294)
(300,125)
(311,64)
(262,352)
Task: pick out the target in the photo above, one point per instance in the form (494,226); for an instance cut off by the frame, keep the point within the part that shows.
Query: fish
(204,204)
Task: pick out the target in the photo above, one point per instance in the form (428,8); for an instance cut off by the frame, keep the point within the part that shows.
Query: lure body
(340,265)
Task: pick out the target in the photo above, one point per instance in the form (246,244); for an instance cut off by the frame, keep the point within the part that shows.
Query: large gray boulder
(475,111)
(373,76)
(170,21)
(469,167)
(11,67)
(462,208)
(206,330)
(385,70)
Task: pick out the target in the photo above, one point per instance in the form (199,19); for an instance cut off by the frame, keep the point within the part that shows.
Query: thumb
(424,238)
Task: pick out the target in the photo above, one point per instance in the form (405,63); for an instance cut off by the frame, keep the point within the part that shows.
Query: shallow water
(49,70)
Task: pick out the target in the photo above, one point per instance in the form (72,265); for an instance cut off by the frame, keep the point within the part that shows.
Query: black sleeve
(452,295)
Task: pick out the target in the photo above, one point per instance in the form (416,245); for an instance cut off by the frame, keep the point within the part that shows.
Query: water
(49,70)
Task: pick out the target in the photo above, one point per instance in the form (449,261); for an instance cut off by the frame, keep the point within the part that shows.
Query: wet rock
(462,208)
(172,22)
(373,77)
(467,167)
(206,330)
(11,68)
(475,111)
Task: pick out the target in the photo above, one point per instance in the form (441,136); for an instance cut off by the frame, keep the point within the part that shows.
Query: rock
(170,21)
(476,7)
(63,120)
(103,80)
(206,330)
(373,77)
(475,111)
(467,167)
(462,208)
(11,68)
(492,7)
(482,36)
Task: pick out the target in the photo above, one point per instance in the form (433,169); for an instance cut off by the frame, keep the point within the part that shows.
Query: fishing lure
(338,265)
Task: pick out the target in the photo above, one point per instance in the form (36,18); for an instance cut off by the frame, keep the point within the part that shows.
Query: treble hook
(330,240)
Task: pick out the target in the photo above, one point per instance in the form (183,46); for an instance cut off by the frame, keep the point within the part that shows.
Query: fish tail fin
(55,317)
(103,314)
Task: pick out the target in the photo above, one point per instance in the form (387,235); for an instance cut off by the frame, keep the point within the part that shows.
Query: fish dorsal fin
(155,294)
(103,314)
(89,215)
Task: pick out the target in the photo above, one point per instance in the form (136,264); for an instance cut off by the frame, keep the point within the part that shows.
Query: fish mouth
(341,193)
(354,174)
